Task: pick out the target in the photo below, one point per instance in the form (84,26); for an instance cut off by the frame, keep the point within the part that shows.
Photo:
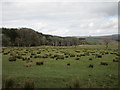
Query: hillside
(30,37)
(113,37)
(99,39)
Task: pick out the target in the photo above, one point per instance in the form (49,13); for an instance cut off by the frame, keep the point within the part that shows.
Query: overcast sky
(62,18)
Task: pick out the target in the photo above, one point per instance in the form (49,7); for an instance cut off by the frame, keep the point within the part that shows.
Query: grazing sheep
(99,56)
(5,53)
(72,55)
(44,56)
(90,58)
(86,53)
(59,57)
(36,56)
(23,54)
(40,63)
(32,54)
(68,64)
(106,52)
(25,58)
(19,57)
(28,65)
(31,61)
(56,55)
(82,54)
(90,66)
(66,56)
(111,53)
(77,59)
(118,54)
(78,55)
(52,56)
(66,53)
(77,51)
(104,63)
(115,60)
(12,59)
(103,54)
(93,54)
(38,52)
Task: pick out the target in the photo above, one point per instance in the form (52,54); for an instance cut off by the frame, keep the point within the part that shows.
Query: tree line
(29,37)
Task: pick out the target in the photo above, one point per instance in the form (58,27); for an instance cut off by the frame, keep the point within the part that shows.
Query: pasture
(85,66)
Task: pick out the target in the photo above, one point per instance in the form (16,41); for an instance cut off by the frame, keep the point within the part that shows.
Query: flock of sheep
(28,55)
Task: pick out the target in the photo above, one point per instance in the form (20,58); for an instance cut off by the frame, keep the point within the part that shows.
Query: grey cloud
(65,18)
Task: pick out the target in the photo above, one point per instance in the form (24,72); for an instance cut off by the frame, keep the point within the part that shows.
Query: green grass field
(56,73)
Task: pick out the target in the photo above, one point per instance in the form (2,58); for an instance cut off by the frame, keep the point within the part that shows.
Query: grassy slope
(93,40)
(97,41)
(56,74)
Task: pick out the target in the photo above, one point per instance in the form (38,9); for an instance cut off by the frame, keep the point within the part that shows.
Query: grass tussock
(9,82)
(90,84)
(74,83)
(29,84)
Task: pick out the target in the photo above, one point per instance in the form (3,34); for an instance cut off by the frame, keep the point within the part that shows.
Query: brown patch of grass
(29,84)
(74,83)
(9,82)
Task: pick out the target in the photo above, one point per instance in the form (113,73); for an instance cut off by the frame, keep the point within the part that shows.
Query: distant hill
(114,36)
(99,39)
